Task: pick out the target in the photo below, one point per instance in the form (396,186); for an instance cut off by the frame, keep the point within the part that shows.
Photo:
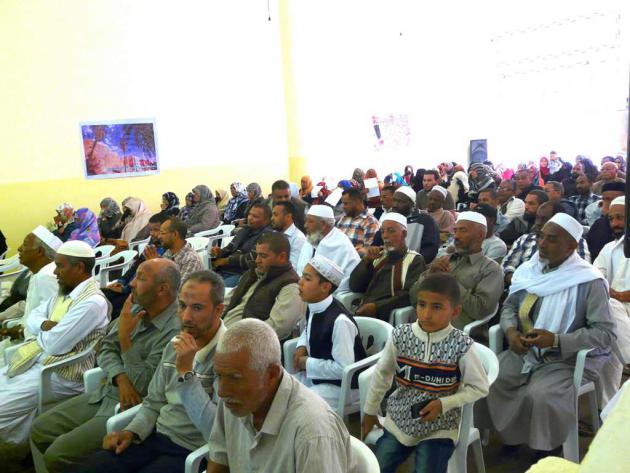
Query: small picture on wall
(121,148)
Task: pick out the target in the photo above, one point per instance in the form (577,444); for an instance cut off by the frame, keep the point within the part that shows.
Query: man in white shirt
(266,420)
(66,324)
(330,341)
(509,205)
(282,220)
(37,253)
(326,240)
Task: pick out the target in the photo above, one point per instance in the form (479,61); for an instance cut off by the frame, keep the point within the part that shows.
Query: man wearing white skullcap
(479,277)
(69,322)
(330,341)
(615,267)
(431,179)
(444,219)
(557,305)
(37,253)
(322,238)
(385,274)
(423,235)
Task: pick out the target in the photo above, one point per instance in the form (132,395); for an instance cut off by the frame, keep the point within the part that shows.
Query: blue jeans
(431,455)
(230,279)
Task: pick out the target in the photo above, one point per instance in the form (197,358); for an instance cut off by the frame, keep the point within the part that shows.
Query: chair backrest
(103,251)
(373,333)
(139,245)
(11,259)
(489,360)
(365,378)
(11,264)
(198,244)
(364,458)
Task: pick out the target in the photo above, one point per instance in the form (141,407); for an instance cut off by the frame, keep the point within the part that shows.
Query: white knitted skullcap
(473,217)
(77,248)
(571,225)
(327,268)
(408,191)
(621,200)
(440,189)
(395,217)
(321,211)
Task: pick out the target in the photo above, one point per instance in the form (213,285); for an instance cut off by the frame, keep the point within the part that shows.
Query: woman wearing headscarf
(358,175)
(322,194)
(108,219)
(480,178)
(544,172)
(221,197)
(184,213)
(204,215)
(87,227)
(306,187)
(408,174)
(169,205)
(137,227)
(239,198)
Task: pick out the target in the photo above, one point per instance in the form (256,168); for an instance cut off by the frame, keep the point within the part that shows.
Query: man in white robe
(326,240)
(557,306)
(65,324)
(615,267)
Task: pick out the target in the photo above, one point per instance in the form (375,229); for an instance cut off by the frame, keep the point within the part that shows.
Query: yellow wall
(209,73)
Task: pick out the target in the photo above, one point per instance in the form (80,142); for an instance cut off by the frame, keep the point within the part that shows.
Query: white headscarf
(140,215)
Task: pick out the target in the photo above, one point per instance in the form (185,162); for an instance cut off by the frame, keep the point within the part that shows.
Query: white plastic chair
(468,434)
(216,233)
(103,251)
(138,246)
(348,298)
(127,257)
(3,254)
(407,315)
(374,334)
(11,259)
(200,245)
(366,461)
(571,446)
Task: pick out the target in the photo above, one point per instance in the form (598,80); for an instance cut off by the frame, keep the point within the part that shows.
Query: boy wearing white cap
(322,238)
(330,341)
(37,253)
(557,305)
(66,324)
(385,274)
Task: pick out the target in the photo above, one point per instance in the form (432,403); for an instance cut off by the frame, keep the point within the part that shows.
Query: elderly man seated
(64,325)
(558,305)
(330,340)
(479,277)
(178,411)
(324,239)
(266,419)
(385,274)
(269,290)
(37,253)
(128,355)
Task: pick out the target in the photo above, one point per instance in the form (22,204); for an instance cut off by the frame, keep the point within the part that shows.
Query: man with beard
(269,290)
(525,246)
(615,267)
(480,278)
(282,220)
(326,240)
(522,225)
(600,232)
(129,354)
(177,414)
(423,235)
(118,291)
(584,197)
(68,323)
(385,274)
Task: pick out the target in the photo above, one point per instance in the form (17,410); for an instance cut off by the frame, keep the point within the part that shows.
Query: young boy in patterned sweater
(436,372)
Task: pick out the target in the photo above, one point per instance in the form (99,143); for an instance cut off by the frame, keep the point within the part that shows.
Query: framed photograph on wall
(119,148)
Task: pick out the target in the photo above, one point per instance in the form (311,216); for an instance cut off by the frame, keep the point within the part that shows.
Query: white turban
(395,217)
(47,237)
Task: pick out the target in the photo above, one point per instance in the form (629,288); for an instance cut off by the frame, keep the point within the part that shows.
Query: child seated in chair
(330,341)
(436,372)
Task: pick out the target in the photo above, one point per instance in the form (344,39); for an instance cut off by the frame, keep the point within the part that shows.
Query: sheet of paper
(315,191)
(334,197)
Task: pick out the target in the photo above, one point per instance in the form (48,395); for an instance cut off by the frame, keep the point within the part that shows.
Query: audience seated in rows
(233,260)
(385,274)
(266,420)
(356,222)
(324,239)
(480,279)
(268,290)
(129,355)
(66,324)
(557,305)
(330,340)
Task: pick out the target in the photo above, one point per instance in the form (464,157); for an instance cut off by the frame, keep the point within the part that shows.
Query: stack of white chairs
(104,266)
(219,236)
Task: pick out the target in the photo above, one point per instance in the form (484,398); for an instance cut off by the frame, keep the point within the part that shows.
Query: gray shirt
(592,327)
(148,340)
(164,410)
(480,283)
(301,433)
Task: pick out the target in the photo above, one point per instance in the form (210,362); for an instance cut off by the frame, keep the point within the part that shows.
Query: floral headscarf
(232,206)
(87,227)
